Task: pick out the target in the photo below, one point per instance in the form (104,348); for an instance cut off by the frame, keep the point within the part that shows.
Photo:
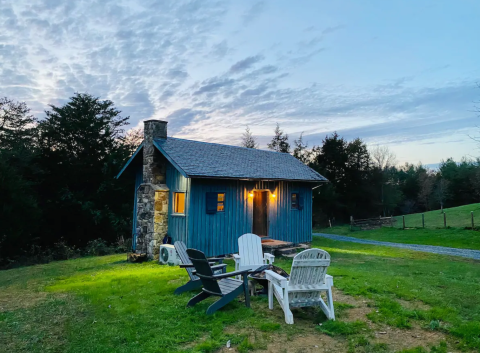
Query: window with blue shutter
(215,202)
(296,201)
(300,202)
(212,202)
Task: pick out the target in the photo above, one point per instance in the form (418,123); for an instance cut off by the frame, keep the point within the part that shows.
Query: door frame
(267,211)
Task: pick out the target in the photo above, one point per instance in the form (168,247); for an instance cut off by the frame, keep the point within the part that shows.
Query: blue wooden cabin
(218,192)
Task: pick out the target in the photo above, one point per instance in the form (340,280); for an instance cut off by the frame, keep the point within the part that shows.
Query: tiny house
(207,194)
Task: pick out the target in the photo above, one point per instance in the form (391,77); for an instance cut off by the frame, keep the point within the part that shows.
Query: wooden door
(260,213)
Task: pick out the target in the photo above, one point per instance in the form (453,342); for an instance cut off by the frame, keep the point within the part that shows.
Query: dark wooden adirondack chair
(194,282)
(220,285)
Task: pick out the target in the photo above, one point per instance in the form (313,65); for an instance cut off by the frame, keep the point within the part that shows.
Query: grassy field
(450,237)
(457,217)
(386,299)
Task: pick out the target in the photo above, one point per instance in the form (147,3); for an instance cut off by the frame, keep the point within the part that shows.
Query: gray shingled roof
(202,159)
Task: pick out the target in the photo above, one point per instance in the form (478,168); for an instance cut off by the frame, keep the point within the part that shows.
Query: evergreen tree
(279,142)
(82,147)
(248,140)
(301,151)
(16,123)
(19,211)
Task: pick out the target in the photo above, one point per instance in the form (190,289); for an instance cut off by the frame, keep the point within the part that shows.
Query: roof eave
(130,160)
(257,179)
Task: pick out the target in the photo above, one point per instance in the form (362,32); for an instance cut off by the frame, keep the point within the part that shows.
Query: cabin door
(260,213)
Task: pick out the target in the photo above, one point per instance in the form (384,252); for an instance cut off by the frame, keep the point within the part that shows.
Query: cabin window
(221,202)
(179,202)
(296,201)
(215,202)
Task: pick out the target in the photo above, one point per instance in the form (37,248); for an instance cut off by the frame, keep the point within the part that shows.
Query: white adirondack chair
(308,278)
(250,255)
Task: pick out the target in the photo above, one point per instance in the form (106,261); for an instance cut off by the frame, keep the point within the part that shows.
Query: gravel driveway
(471,254)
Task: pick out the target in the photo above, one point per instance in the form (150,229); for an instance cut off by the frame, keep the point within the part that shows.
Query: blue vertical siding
(177,225)
(138,181)
(289,224)
(217,234)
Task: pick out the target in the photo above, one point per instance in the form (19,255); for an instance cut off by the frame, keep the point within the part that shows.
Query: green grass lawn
(457,217)
(450,237)
(104,304)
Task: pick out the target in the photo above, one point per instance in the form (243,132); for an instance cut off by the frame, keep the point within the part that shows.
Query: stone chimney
(152,194)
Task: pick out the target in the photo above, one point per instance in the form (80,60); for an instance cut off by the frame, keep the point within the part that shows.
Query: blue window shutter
(211,202)
(300,201)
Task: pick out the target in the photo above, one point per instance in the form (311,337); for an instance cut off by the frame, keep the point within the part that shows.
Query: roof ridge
(221,144)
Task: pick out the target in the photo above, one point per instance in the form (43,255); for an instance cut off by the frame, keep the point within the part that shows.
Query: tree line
(57,185)
(58,190)
(367,182)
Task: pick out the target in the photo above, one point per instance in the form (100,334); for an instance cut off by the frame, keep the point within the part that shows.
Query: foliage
(57,177)
(301,151)
(366,183)
(248,140)
(279,141)
(19,175)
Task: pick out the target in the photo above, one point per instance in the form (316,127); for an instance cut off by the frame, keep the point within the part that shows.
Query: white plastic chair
(308,279)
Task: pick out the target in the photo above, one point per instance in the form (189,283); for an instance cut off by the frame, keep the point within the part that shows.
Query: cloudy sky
(398,73)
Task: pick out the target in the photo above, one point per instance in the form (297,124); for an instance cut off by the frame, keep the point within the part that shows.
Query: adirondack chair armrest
(237,258)
(329,280)
(218,267)
(231,274)
(216,259)
(268,258)
(186,265)
(276,278)
(214,268)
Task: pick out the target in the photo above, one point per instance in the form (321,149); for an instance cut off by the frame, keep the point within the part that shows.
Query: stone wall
(153,194)
(152,218)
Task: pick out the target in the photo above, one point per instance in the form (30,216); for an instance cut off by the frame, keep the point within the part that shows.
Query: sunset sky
(399,73)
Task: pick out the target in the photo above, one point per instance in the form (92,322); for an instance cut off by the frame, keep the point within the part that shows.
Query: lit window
(294,201)
(179,202)
(221,202)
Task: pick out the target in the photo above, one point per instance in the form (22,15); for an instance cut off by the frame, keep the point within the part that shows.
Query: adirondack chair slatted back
(182,254)
(309,267)
(204,271)
(250,249)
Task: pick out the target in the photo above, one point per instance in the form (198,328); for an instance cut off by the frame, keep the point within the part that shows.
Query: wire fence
(435,220)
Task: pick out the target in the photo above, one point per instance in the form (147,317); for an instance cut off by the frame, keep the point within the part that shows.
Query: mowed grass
(104,304)
(457,217)
(450,237)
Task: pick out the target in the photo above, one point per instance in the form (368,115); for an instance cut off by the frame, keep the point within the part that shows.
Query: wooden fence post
(444,219)
(403,222)
(351,222)
(473,223)
(423,220)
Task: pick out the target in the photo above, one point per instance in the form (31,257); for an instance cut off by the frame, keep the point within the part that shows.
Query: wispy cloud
(207,74)
(253,12)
